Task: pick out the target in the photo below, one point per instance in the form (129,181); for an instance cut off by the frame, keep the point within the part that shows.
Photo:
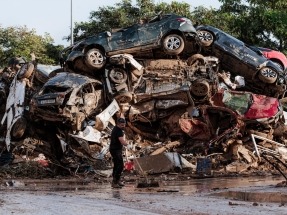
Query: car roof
(65,79)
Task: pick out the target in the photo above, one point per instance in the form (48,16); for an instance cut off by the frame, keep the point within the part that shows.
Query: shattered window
(237,102)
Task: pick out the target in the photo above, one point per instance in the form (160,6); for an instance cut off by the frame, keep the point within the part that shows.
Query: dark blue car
(240,59)
(169,33)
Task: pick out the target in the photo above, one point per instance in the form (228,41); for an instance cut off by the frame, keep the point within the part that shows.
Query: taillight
(181,19)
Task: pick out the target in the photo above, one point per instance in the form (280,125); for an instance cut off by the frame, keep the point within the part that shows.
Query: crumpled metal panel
(211,124)
(262,107)
(196,129)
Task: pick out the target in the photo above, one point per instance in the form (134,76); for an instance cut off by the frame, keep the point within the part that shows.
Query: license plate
(48,101)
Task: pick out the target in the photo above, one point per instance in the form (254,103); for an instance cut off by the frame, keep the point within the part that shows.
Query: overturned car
(192,81)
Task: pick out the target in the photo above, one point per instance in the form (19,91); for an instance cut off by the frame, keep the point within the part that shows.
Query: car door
(231,52)
(252,58)
(124,38)
(151,32)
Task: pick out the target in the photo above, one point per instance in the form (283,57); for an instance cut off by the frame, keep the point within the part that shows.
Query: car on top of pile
(169,33)
(261,74)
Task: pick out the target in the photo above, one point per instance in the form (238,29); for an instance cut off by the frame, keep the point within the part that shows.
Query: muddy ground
(237,195)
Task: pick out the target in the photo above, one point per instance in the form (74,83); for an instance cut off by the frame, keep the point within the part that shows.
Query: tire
(267,75)
(19,128)
(118,75)
(95,58)
(173,44)
(206,38)
(199,88)
(197,59)
(124,97)
(26,71)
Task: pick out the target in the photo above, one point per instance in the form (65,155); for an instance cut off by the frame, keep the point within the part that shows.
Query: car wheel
(118,75)
(267,75)
(19,128)
(124,97)
(173,44)
(200,88)
(95,58)
(196,59)
(26,71)
(206,38)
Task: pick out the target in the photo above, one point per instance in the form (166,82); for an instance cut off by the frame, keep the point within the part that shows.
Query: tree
(258,22)
(20,41)
(124,14)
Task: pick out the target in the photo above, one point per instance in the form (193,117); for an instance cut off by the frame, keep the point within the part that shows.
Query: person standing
(116,146)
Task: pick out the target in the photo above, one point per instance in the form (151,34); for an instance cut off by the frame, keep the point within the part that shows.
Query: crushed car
(143,79)
(68,98)
(17,104)
(209,128)
(169,32)
(252,108)
(261,74)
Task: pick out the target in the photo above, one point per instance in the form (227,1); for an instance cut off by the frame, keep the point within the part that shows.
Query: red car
(275,56)
(249,106)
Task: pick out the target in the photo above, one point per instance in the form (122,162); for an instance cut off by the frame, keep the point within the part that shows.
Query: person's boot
(115,184)
(121,184)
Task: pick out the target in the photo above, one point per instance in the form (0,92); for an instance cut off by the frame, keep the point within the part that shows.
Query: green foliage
(257,22)
(124,14)
(19,41)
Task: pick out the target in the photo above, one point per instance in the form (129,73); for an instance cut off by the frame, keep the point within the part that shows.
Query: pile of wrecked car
(188,95)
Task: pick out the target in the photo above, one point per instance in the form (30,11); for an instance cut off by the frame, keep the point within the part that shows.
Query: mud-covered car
(194,80)
(251,108)
(67,98)
(168,32)
(262,75)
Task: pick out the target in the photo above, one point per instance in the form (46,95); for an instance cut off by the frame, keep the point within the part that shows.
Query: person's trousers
(118,164)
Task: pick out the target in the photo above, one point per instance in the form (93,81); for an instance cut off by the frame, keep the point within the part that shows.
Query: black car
(170,32)
(240,59)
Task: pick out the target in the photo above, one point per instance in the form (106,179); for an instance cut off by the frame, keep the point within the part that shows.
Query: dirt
(194,196)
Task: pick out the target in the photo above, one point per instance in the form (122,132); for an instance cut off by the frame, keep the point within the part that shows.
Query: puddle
(214,184)
(255,196)
(207,185)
